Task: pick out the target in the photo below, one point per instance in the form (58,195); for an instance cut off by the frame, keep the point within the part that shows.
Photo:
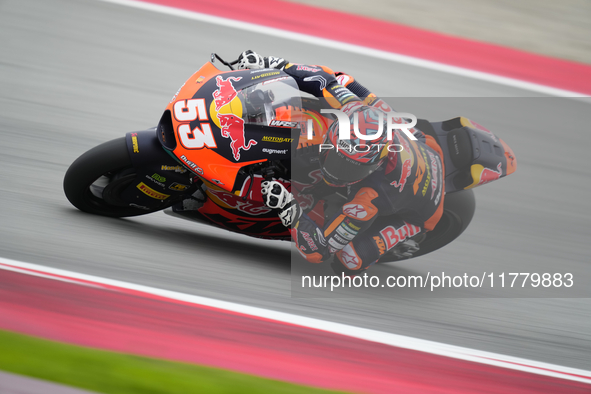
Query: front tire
(94,181)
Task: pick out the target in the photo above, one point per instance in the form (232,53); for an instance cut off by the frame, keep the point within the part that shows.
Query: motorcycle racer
(388,195)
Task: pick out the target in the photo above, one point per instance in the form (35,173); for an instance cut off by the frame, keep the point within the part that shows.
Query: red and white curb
(400,341)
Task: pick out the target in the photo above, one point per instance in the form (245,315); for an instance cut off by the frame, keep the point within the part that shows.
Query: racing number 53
(188,111)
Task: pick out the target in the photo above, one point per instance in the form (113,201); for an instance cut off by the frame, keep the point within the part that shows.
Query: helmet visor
(338,169)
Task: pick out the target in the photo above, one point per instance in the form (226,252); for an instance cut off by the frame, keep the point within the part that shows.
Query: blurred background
(558,29)
(76,73)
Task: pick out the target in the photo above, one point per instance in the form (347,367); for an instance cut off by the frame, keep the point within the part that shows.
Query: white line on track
(332,44)
(385,338)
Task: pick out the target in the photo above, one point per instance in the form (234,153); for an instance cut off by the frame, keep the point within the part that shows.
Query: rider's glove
(276,196)
(251,60)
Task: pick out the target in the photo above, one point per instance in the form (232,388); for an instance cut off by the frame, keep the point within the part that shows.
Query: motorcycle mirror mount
(216,56)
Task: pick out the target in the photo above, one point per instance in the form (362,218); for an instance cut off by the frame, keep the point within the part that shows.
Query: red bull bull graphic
(392,236)
(407,159)
(482,175)
(404,174)
(225,92)
(233,127)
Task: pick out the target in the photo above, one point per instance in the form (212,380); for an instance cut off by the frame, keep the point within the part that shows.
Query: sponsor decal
(225,91)
(192,165)
(176,94)
(380,244)
(274,80)
(420,172)
(340,240)
(139,206)
(306,68)
(273,151)
(435,180)
(134,143)
(276,139)
(309,240)
(232,201)
(355,210)
(178,169)
(342,93)
(151,192)
(346,234)
(407,160)
(335,244)
(350,258)
(270,74)
(354,227)
(404,174)
(233,127)
(392,236)
(178,187)
(155,181)
(343,79)
(484,175)
(283,123)
(200,79)
(428,179)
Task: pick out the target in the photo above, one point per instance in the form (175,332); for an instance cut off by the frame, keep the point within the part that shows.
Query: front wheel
(95,180)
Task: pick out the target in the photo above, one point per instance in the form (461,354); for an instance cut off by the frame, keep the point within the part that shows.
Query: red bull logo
(392,236)
(233,127)
(482,175)
(225,92)
(404,174)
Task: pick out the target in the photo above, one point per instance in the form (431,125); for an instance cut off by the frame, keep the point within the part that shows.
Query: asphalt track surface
(77,73)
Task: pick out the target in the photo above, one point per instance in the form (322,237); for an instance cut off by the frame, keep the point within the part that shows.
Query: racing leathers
(361,222)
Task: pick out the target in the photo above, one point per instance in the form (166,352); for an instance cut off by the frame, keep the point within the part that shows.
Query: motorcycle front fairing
(222,121)
(159,179)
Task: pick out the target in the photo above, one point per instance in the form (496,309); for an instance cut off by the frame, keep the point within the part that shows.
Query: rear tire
(458,210)
(94,181)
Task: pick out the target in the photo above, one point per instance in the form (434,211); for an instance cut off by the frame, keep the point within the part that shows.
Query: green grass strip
(118,373)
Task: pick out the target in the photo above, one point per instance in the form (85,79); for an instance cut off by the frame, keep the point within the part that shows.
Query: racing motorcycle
(225,132)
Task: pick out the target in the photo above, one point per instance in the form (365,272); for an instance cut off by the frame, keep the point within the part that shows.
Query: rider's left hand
(276,196)
(250,60)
